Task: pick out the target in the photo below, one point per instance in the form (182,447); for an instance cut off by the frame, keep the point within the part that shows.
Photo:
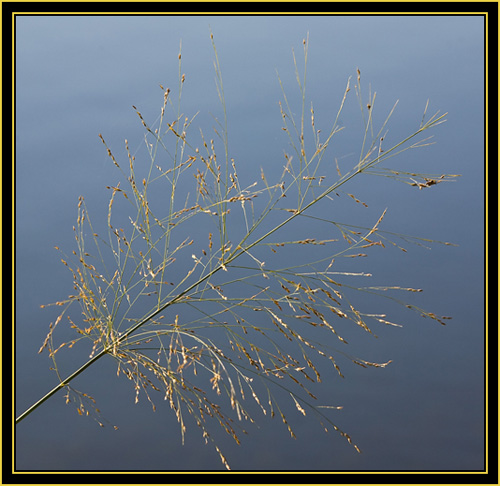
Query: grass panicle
(228,326)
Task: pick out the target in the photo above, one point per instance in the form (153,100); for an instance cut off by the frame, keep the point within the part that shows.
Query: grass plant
(259,327)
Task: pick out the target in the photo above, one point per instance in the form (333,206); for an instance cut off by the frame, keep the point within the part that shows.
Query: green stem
(61,385)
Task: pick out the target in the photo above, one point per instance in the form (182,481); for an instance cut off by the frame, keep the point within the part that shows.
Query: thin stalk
(62,384)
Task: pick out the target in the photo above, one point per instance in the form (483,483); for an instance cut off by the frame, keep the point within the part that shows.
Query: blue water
(77,77)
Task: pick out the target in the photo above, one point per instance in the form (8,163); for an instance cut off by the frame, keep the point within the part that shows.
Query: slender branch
(62,384)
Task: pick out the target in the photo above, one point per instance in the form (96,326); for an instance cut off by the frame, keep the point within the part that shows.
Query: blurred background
(78,76)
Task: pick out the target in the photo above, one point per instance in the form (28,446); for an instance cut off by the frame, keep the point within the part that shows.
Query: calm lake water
(77,77)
